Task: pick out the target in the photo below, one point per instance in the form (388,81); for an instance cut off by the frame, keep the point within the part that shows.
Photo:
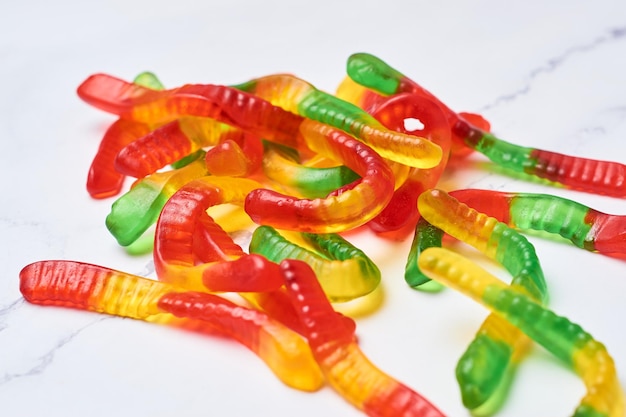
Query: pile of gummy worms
(300,167)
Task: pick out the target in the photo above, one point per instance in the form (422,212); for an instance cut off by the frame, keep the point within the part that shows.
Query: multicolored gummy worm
(566,340)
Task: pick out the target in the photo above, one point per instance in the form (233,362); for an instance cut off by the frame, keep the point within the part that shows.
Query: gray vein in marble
(47,358)
(11,222)
(11,307)
(555,62)
(8,309)
(620,110)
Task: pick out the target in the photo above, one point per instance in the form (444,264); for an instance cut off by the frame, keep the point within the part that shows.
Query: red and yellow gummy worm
(344,365)
(104,290)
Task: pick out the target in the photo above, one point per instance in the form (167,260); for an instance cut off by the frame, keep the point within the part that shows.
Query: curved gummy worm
(282,165)
(174,257)
(344,271)
(566,340)
(212,244)
(484,370)
(348,209)
(222,103)
(583,226)
(369,71)
(374,73)
(104,290)
(378,77)
(370,100)
(103,180)
(135,211)
(300,97)
(590,175)
(362,96)
(343,364)
(401,212)
(495,239)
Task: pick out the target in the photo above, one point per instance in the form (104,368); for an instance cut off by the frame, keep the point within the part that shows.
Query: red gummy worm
(401,212)
(211,243)
(104,180)
(174,249)
(590,175)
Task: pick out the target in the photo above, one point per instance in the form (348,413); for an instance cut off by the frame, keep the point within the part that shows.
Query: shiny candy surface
(103,290)
(296,173)
(345,367)
(566,340)
(590,175)
(486,367)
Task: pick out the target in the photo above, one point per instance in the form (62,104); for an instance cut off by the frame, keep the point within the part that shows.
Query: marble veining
(552,64)
(42,363)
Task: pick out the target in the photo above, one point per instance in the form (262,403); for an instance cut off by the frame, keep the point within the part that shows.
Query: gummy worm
(401,212)
(103,180)
(302,98)
(590,175)
(282,165)
(224,104)
(371,92)
(169,143)
(95,288)
(211,244)
(585,227)
(343,364)
(318,176)
(343,270)
(490,236)
(174,258)
(566,340)
(486,366)
(135,211)
(347,209)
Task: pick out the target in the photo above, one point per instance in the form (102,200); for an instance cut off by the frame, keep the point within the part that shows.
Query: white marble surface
(546,74)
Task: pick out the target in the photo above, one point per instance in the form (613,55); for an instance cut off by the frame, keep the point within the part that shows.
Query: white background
(546,74)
